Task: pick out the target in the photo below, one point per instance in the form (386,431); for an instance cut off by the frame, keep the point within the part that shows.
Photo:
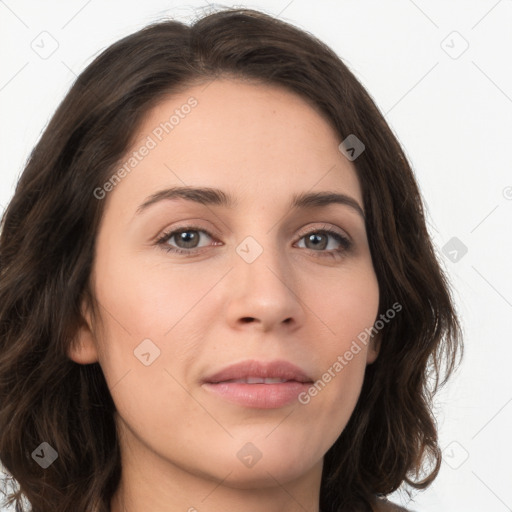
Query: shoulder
(384,505)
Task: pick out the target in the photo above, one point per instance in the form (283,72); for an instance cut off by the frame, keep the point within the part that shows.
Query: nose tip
(262,293)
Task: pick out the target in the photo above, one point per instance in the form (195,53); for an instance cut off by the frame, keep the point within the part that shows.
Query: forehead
(253,140)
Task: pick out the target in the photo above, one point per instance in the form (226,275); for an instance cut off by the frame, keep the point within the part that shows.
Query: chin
(252,468)
(264,475)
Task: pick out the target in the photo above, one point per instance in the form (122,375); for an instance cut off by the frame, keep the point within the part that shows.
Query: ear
(83,349)
(373,348)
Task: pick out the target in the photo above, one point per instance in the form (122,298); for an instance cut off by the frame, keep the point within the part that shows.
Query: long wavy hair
(47,243)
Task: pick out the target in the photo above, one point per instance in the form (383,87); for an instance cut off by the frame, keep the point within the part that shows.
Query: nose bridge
(261,260)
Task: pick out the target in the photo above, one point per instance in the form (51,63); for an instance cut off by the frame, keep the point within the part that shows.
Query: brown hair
(47,247)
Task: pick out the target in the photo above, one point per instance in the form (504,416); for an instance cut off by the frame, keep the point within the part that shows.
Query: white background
(452,111)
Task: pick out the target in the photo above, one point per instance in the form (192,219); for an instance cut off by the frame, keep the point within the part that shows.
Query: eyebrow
(217,197)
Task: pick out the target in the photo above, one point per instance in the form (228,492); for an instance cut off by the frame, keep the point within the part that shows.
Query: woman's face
(256,281)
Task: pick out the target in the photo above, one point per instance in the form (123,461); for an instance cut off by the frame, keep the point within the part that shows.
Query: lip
(226,383)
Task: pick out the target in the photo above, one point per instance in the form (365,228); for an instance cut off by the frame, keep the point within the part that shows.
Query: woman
(217,288)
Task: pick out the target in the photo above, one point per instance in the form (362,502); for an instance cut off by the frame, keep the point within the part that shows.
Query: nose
(264,294)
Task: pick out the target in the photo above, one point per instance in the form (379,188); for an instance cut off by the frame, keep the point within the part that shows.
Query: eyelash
(344,242)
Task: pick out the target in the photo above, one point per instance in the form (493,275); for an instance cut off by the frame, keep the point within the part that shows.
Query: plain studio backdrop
(440,73)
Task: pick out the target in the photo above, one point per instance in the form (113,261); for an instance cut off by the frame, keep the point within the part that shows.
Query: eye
(186,239)
(317,240)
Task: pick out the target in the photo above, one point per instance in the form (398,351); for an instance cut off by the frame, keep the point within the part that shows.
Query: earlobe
(82,349)
(373,349)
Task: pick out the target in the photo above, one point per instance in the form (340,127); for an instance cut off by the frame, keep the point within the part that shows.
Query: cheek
(148,342)
(346,304)
(347,308)
(154,327)
(147,300)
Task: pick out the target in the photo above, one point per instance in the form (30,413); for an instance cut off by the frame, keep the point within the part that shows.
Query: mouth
(256,384)
(257,380)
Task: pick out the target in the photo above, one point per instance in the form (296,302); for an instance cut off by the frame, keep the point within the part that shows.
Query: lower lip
(260,396)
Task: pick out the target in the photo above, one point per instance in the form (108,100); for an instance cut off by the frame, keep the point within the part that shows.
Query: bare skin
(300,300)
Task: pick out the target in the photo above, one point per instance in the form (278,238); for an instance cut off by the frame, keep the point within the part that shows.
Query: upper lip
(273,369)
